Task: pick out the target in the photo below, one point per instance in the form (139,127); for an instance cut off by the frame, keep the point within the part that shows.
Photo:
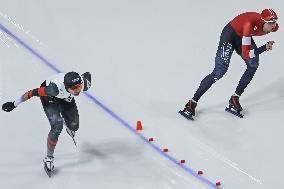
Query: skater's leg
(52,111)
(252,65)
(205,84)
(245,80)
(222,61)
(70,114)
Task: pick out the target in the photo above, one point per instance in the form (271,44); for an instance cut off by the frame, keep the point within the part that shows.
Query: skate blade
(71,137)
(48,172)
(74,142)
(234,112)
(187,115)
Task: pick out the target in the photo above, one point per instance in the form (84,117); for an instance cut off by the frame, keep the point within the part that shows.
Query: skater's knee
(73,124)
(218,75)
(253,63)
(251,70)
(56,129)
(56,121)
(219,71)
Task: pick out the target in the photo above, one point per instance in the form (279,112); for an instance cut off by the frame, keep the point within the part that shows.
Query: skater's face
(269,26)
(75,90)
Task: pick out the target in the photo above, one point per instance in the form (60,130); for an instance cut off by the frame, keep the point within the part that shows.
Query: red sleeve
(41,91)
(36,92)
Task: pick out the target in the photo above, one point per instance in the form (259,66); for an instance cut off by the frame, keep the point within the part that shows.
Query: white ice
(147,58)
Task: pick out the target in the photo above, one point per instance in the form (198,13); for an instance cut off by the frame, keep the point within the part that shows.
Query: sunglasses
(272,22)
(75,87)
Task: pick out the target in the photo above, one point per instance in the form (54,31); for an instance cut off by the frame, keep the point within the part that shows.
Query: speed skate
(233,111)
(186,114)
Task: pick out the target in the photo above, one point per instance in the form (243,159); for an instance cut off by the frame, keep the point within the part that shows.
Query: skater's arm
(87,80)
(50,90)
(247,53)
(265,47)
(260,50)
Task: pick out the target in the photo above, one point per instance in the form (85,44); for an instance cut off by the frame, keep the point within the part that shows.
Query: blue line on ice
(109,111)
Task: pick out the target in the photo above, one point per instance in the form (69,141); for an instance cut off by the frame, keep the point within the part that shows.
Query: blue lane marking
(29,49)
(111,113)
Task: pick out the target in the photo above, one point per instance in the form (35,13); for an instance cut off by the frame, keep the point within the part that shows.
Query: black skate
(189,111)
(48,165)
(72,134)
(235,107)
(186,114)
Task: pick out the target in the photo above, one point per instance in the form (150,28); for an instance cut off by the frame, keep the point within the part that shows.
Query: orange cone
(139,126)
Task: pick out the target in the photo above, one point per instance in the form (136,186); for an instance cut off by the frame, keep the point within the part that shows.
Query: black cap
(71,79)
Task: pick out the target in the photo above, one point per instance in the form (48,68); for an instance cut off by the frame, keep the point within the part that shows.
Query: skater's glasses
(272,22)
(76,87)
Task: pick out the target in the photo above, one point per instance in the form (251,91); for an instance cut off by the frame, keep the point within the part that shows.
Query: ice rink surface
(147,59)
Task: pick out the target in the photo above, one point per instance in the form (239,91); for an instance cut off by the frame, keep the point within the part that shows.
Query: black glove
(87,75)
(8,106)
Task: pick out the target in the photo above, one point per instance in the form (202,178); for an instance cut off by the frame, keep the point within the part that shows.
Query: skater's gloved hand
(269,45)
(88,77)
(8,106)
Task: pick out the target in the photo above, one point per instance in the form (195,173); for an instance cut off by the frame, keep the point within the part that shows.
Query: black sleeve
(260,50)
(51,90)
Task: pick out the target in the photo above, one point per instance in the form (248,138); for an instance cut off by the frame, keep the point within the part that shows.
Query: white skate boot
(48,165)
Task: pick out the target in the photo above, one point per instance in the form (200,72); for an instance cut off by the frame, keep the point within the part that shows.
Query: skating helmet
(72,79)
(268,15)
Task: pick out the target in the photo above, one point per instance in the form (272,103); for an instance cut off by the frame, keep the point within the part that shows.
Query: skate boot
(234,103)
(48,165)
(48,162)
(189,110)
(190,107)
(235,106)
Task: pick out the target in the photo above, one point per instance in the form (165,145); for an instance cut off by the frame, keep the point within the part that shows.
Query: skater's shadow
(111,151)
(267,98)
(215,108)
(55,171)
